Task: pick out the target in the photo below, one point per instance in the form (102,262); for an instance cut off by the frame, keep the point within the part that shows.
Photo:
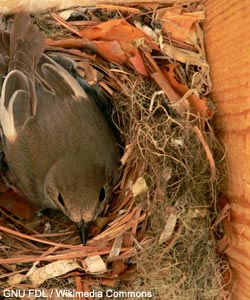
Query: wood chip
(53,270)
(139,187)
(116,248)
(94,265)
(169,228)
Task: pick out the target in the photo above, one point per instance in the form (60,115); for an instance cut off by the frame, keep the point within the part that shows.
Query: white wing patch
(12,87)
(7,121)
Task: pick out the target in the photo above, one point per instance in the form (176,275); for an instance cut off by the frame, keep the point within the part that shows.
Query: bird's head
(79,191)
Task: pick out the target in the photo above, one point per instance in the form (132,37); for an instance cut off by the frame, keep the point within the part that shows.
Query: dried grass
(187,266)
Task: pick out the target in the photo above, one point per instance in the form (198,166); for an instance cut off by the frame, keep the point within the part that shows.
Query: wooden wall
(227,34)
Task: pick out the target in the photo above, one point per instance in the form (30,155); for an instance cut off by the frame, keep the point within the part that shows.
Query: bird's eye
(102,195)
(60,199)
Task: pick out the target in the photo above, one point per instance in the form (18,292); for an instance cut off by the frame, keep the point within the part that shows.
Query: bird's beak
(83,229)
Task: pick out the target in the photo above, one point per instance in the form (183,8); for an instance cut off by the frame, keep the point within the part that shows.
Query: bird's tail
(26,45)
(4,55)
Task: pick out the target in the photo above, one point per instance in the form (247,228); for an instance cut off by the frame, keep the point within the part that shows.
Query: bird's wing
(94,93)
(59,80)
(18,98)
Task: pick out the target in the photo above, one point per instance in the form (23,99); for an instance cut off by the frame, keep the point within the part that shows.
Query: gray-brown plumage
(58,145)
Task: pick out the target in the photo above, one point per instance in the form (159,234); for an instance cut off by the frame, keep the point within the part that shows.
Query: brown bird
(59,146)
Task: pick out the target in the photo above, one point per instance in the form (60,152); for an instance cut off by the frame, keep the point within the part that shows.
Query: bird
(58,143)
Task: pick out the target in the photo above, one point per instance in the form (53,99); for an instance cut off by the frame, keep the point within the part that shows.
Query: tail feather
(4,55)
(26,45)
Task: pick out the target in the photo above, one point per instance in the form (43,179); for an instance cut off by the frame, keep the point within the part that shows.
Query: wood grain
(227,33)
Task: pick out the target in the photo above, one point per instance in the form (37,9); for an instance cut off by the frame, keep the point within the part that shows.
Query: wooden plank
(228,50)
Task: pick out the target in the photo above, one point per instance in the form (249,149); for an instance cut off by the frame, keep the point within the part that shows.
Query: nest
(158,236)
